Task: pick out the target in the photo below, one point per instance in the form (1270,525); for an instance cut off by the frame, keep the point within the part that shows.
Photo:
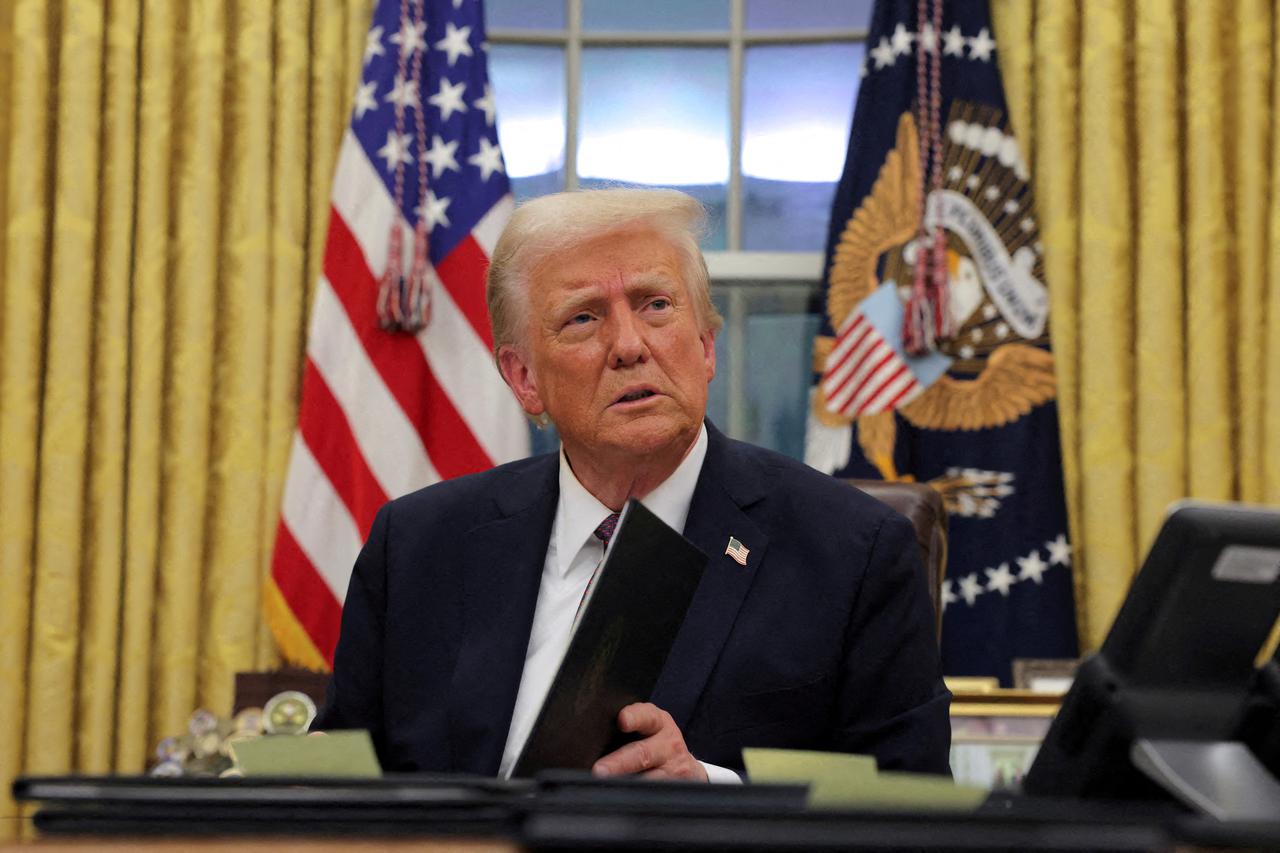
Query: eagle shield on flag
(935,362)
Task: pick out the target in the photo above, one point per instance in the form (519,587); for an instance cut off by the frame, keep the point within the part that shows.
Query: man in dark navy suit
(814,631)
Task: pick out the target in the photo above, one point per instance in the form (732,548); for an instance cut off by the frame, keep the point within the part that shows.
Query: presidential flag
(934,363)
(399,387)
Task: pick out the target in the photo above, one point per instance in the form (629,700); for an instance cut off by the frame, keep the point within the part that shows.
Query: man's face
(614,351)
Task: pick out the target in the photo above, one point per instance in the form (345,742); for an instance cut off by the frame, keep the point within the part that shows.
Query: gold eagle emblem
(1011,376)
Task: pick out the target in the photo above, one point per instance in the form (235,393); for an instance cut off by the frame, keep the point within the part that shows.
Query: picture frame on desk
(996,732)
(1044,675)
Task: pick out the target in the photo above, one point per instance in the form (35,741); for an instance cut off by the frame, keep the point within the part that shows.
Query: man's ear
(520,379)
(708,338)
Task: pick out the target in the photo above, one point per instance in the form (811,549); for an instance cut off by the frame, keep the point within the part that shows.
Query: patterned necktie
(603,532)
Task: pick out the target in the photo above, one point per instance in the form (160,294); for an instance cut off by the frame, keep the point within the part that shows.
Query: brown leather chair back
(923,506)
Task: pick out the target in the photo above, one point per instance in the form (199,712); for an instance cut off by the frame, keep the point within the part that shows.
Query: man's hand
(661,754)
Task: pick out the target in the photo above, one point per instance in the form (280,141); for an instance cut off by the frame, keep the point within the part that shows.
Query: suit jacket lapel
(729,482)
(503,560)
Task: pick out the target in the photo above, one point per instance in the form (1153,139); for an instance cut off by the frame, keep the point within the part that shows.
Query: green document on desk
(842,781)
(345,754)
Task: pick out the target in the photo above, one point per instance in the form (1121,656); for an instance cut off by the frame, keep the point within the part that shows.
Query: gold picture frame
(996,732)
(1044,675)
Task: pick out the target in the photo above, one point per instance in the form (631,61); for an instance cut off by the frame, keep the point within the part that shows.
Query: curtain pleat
(1055,100)
(102,582)
(288,265)
(189,349)
(1250,88)
(6,123)
(148,313)
(64,415)
(1105,308)
(1270,461)
(1160,445)
(1014,22)
(26,235)
(1210,279)
(231,605)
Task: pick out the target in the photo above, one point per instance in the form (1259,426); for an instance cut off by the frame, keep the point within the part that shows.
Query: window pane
(774,365)
(779,371)
(655,15)
(524,14)
(808,14)
(718,390)
(658,117)
(528,86)
(797,108)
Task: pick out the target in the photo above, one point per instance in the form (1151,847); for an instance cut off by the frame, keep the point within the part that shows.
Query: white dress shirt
(572,556)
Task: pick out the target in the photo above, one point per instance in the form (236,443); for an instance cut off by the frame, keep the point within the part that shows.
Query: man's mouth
(633,396)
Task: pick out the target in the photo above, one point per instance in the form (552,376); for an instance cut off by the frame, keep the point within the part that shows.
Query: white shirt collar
(579,513)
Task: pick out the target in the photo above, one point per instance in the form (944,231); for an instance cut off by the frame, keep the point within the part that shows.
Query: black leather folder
(629,623)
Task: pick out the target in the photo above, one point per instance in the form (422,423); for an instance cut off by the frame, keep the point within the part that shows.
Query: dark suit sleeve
(892,702)
(354,697)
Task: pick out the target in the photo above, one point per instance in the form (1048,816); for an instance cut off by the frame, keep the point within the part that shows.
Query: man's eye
(579,319)
(660,304)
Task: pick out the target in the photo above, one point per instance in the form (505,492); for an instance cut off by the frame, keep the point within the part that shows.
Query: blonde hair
(556,223)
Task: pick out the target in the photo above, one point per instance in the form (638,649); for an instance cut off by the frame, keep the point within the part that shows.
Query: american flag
(387,411)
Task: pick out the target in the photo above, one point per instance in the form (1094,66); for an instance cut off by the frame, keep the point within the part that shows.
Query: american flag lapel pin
(737,550)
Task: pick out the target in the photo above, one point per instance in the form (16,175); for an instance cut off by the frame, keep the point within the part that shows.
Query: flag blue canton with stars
(976,415)
(448,125)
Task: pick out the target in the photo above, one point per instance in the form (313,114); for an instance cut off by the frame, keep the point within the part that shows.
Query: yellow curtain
(1154,131)
(164,181)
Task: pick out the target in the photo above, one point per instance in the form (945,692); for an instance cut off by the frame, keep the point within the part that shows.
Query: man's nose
(629,345)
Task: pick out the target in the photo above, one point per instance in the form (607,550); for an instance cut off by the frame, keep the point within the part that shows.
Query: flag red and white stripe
(864,375)
(384,412)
